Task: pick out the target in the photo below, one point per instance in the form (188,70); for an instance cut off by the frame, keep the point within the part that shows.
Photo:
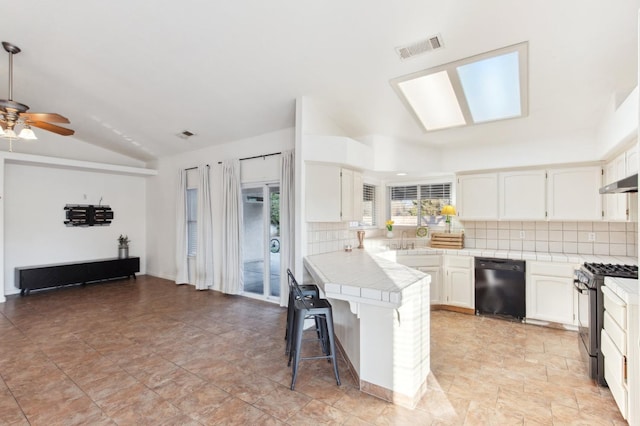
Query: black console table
(43,276)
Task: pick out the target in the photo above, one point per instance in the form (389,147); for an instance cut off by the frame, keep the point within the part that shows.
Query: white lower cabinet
(451,277)
(436,282)
(458,289)
(550,293)
(429,264)
(620,349)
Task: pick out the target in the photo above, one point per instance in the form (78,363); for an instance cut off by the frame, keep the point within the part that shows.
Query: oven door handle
(580,287)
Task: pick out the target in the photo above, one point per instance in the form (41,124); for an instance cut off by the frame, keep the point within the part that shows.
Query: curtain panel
(182,261)
(287,221)
(204,231)
(232,275)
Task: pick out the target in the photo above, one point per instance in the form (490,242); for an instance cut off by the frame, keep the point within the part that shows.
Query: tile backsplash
(330,236)
(598,238)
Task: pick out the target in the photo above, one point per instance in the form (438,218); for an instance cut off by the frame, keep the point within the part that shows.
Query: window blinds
(438,191)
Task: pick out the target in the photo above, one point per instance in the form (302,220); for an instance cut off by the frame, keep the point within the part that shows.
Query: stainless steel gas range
(588,282)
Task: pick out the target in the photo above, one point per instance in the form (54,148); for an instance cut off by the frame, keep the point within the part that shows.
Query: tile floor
(151,352)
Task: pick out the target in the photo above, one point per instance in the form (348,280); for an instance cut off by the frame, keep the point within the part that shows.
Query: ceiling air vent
(420,47)
(185,134)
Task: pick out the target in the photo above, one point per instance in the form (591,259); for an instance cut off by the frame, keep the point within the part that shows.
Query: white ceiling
(144,71)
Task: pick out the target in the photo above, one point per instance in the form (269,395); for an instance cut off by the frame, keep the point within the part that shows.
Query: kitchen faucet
(404,246)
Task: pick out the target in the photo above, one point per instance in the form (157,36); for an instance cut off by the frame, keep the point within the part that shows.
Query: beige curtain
(232,275)
(182,261)
(287,221)
(204,232)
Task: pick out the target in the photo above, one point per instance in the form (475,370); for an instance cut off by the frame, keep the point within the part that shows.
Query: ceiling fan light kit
(14,114)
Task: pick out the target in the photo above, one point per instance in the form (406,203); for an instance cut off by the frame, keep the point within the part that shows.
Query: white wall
(619,125)
(52,145)
(162,189)
(34,200)
(578,148)
(317,118)
(394,155)
(337,150)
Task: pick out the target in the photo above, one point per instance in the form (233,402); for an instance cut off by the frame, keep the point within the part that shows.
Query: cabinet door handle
(624,370)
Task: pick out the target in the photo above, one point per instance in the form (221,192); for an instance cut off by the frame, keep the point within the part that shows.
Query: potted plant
(389,225)
(123,247)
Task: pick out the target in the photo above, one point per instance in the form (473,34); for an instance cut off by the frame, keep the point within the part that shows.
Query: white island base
(381,317)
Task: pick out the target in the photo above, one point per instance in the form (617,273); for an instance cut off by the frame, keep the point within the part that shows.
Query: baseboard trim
(458,309)
(352,369)
(382,392)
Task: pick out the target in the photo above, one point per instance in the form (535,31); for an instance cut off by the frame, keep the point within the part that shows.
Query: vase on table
(389,234)
(123,252)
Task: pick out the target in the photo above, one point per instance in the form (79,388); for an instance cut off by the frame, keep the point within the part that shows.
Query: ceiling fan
(13,114)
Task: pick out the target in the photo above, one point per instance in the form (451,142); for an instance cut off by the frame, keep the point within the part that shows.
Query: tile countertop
(362,276)
(379,245)
(578,259)
(626,289)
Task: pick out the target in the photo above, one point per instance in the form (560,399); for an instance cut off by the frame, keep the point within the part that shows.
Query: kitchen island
(381,315)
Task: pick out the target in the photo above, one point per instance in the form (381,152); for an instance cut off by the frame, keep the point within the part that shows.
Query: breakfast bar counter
(381,316)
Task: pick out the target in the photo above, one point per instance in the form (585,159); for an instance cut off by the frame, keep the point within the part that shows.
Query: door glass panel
(253,244)
(261,241)
(274,241)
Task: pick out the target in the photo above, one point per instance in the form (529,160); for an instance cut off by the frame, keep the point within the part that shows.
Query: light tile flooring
(151,352)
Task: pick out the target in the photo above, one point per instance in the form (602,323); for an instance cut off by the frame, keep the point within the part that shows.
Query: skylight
(432,97)
(487,87)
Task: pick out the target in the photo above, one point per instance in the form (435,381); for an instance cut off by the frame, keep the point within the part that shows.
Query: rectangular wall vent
(420,47)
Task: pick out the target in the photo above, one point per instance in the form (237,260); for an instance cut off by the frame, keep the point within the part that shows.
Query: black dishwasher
(500,287)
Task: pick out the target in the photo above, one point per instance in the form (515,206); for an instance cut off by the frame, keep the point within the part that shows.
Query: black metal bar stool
(308,291)
(320,310)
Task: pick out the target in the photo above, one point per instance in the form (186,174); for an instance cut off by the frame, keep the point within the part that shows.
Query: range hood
(628,184)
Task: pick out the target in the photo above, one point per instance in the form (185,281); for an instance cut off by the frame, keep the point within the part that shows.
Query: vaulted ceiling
(132,75)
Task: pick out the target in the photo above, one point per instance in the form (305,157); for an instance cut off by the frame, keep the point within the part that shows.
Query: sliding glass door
(261,245)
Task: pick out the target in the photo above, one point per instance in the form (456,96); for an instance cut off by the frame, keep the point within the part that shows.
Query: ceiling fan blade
(51,127)
(45,116)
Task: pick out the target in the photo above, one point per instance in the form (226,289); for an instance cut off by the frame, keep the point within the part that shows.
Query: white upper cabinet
(351,195)
(347,193)
(615,205)
(477,197)
(553,194)
(522,195)
(357,199)
(572,193)
(322,197)
(631,161)
(333,194)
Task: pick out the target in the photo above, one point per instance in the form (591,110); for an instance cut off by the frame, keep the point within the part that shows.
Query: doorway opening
(261,245)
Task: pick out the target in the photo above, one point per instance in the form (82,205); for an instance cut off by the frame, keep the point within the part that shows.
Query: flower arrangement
(389,225)
(123,240)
